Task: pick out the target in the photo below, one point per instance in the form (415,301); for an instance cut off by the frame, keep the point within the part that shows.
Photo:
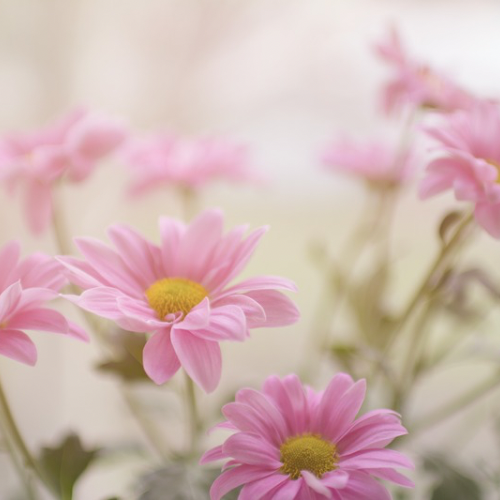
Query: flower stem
(29,465)
(458,404)
(193,416)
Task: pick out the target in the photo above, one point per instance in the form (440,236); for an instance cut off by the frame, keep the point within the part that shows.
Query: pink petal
(197,244)
(212,455)
(336,479)
(101,301)
(248,448)
(262,488)
(260,283)
(39,270)
(171,232)
(140,256)
(392,475)
(316,484)
(40,319)
(253,311)
(77,332)
(225,323)
(362,487)
(279,309)
(198,317)
(9,300)
(232,478)
(159,358)
(375,459)
(17,345)
(200,358)
(9,255)
(288,490)
(81,273)
(488,217)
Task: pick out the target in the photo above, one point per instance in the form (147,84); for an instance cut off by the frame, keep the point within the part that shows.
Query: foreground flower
(469,162)
(166,160)
(69,149)
(179,292)
(292,443)
(374,162)
(416,84)
(25,287)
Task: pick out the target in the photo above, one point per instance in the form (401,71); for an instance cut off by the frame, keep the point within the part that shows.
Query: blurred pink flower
(374,162)
(469,162)
(292,443)
(177,291)
(416,84)
(190,163)
(25,286)
(69,149)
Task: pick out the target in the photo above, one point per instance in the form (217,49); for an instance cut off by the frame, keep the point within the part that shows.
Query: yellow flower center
(308,452)
(172,295)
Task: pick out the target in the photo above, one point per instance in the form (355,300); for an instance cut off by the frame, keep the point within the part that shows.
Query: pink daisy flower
(25,287)
(164,160)
(36,161)
(293,443)
(178,292)
(469,162)
(417,84)
(374,162)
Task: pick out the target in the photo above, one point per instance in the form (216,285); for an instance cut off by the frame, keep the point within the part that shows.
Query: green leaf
(450,220)
(128,365)
(63,465)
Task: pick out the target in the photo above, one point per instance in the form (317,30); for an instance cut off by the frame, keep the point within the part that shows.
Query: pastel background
(283,76)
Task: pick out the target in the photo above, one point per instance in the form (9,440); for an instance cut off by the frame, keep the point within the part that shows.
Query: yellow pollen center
(172,295)
(308,452)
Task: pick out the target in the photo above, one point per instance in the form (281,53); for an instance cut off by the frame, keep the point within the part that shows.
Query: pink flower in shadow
(417,84)
(374,162)
(70,149)
(291,443)
(25,287)
(468,162)
(179,292)
(167,160)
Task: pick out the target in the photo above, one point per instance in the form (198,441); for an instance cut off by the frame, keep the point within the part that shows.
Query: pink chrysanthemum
(178,291)
(25,287)
(165,160)
(71,148)
(374,162)
(417,84)
(469,162)
(292,443)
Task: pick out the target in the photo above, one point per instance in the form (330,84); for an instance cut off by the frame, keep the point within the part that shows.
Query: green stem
(458,404)
(193,416)
(423,288)
(11,429)
(188,202)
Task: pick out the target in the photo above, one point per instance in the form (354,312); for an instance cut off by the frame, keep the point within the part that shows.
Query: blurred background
(284,77)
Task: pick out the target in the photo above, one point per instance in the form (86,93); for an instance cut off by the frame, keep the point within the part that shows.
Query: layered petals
(290,442)
(178,292)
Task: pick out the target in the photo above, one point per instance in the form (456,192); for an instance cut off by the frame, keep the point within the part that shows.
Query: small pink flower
(416,84)
(25,286)
(38,160)
(164,160)
(374,162)
(178,292)
(469,162)
(292,443)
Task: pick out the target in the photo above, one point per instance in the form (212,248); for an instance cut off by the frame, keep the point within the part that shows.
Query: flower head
(417,84)
(291,443)
(179,292)
(468,162)
(374,162)
(69,149)
(164,160)
(25,287)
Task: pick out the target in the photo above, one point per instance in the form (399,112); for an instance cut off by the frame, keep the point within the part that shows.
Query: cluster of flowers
(289,442)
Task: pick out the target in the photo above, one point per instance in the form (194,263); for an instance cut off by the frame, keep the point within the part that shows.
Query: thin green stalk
(423,288)
(188,202)
(11,429)
(466,399)
(192,416)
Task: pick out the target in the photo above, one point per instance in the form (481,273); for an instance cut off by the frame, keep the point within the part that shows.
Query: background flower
(293,443)
(25,287)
